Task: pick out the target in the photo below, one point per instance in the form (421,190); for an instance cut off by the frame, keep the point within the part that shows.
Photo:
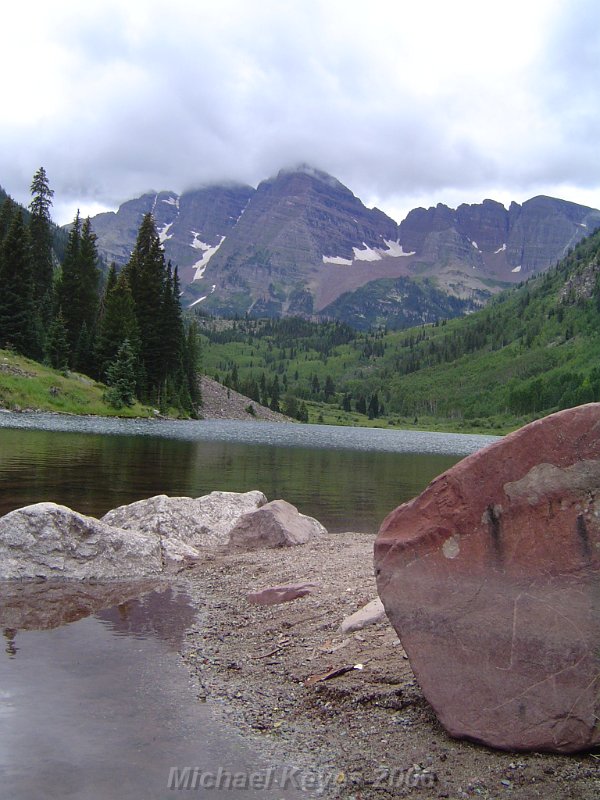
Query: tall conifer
(19,322)
(40,232)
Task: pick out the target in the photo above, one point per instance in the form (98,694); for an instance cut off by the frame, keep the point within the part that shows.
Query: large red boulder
(491,578)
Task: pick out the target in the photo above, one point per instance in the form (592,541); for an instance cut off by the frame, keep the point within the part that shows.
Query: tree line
(124,328)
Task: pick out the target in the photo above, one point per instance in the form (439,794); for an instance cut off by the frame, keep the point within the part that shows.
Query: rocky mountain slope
(302,239)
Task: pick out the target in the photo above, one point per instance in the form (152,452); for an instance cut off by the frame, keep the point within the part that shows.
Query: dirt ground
(368,733)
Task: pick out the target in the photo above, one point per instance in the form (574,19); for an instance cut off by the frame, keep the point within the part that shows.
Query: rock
(51,541)
(178,555)
(276,524)
(367,615)
(491,578)
(273,595)
(197,521)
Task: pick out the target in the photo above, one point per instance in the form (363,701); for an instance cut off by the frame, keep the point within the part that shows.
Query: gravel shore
(368,733)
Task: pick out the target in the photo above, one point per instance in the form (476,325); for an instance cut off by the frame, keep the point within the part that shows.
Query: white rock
(51,541)
(367,615)
(178,555)
(196,521)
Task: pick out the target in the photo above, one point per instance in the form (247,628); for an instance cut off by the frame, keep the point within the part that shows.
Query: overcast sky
(407,103)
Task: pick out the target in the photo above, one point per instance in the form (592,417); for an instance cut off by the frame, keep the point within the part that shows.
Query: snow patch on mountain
(163,233)
(200,299)
(516,269)
(368,254)
(344,262)
(475,245)
(395,249)
(500,249)
(172,201)
(208,252)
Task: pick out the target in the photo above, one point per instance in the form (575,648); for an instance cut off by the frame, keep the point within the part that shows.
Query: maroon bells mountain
(303,244)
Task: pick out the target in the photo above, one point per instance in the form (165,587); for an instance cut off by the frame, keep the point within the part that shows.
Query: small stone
(273,595)
(368,615)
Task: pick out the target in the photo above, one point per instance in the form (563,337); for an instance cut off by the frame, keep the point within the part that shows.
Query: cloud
(400,103)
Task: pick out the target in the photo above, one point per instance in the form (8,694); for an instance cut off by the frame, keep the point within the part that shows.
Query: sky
(407,103)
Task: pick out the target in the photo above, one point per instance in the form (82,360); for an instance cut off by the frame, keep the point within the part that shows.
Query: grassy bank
(326,414)
(28,385)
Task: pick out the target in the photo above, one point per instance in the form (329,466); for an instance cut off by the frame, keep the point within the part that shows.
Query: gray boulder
(196,521)
(51,541)
(276,524)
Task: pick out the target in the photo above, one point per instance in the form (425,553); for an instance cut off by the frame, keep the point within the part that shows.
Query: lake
(349,478)
(94,701)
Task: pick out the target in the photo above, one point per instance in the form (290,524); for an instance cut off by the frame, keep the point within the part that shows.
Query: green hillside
(28,385)
(532,350)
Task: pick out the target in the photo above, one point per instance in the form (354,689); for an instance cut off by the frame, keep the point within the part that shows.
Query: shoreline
(370,732)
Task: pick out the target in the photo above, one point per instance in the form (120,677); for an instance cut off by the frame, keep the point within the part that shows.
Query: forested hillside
(58,306)
(533,350)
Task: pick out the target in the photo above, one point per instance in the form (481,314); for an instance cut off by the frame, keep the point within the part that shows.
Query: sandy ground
(368,733)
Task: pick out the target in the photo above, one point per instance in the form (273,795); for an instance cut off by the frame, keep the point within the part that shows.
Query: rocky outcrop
(491,578)
(273,595)
(51,541)
(276,524)
(195,521)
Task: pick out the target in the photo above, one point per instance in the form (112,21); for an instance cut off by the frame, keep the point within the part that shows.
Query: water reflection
(102,707)
(345,489)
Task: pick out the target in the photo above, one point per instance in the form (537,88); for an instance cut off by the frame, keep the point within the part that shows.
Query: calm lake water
(349,478)
(94,701)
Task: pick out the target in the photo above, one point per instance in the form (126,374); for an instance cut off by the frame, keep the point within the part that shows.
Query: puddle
(103,707)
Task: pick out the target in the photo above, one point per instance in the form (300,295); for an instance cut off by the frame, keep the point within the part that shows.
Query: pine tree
(77,294)
(7,212)
(120,376)
(40,232)
(89,275)
(57,346)
(146,272)
(19,323)
(191,363)
(275,391)
(117,323)
(69,287)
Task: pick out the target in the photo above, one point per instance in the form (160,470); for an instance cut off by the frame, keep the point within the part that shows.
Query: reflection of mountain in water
(142,608)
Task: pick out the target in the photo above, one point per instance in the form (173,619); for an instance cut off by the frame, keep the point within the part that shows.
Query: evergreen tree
(77,293)
(40,232)
(302,412)
(373,409)
(275,391)
(120,376)
(8,209)
(191,363)
(69,287)
(329,388)
(57,346)
(89,276)
(146,272)
(19,323)
(117,323)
